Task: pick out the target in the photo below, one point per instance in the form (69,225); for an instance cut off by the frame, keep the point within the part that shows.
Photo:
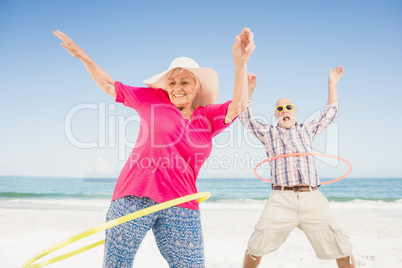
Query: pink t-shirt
(170,149)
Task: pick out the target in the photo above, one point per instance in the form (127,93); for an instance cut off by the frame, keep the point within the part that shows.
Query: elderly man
(295,200)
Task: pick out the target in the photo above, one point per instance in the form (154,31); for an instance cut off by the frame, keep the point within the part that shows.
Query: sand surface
(376,234)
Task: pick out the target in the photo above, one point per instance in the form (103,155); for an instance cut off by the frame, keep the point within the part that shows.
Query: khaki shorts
(310,212)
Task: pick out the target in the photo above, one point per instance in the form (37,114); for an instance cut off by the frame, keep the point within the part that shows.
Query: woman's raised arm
(242,48)
(101,78)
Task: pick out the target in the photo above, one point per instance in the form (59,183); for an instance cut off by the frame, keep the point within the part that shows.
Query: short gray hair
(177,71)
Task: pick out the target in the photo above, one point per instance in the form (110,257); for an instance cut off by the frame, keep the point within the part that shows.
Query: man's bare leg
(346,262)
(251,261)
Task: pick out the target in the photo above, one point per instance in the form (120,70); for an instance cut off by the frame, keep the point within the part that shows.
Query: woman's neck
(187,112)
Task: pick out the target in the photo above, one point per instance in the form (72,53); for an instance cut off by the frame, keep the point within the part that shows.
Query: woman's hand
(70,45)
(335,75)
(244,46)
(101,78)
(252,83)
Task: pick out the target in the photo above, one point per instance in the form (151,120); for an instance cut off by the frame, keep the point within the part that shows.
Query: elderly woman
(179,120)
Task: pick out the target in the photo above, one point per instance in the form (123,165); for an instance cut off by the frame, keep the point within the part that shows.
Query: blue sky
(297,42)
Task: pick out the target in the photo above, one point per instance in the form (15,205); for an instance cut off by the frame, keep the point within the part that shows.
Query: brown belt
(295,188)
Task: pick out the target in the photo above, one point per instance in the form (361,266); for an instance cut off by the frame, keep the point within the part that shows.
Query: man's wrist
(331,83)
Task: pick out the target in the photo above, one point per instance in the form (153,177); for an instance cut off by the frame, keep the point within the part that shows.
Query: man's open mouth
(286,118)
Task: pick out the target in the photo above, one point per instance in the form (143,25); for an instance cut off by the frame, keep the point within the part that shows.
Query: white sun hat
(207,77)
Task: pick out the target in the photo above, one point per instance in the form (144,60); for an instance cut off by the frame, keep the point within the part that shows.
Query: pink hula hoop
(304,154)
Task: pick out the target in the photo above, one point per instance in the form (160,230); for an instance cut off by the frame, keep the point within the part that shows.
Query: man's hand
(70,45)
(252,83)
(333,78)
(335,75)
(244,46)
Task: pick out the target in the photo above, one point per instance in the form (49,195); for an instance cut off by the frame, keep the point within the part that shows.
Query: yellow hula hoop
(201,197)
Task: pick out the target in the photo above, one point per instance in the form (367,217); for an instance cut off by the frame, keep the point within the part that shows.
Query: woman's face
(182,89)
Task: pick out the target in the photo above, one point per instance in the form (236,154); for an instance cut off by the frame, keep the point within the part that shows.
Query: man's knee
(346,262)
(251,261)
(254,258)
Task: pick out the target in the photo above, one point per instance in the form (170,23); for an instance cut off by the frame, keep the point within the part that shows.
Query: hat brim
(209,84)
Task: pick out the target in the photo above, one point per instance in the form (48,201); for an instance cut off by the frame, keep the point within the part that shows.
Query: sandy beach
(375,231)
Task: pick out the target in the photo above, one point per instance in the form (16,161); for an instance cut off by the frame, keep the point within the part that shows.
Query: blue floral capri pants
(177,232)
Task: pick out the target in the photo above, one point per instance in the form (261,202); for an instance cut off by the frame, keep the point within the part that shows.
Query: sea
(96,193)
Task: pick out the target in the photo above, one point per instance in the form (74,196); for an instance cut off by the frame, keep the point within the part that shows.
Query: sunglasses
(280,108)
